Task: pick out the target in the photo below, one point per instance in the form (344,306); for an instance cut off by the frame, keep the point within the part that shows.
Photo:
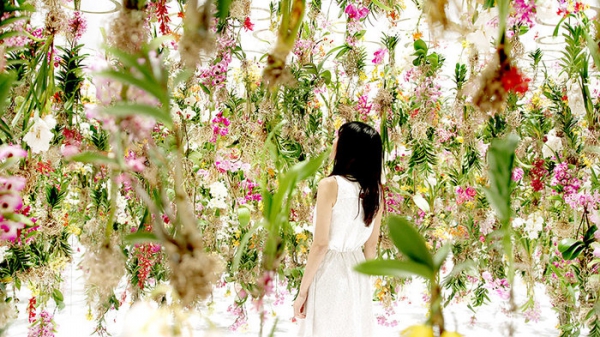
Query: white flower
(188,113)
(534,225)
(40,134)
(191,100)
(553,144)
(518,222)
(421,202)
(3,253)
(205,116)
(146,319)
(218,190)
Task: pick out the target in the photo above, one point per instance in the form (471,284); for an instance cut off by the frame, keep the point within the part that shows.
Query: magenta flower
(77,25)
(355,13)
(378,56)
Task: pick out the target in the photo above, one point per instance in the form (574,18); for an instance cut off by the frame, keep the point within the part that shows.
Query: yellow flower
(405,187)
(451,334)
(236,243)
(422,189)
(417,35)
(301,236)
(418,331)
(469,205)
(465,43)
(362,76)
(303,250)
(460,139)
(337,123)
(89,315)
(587,161)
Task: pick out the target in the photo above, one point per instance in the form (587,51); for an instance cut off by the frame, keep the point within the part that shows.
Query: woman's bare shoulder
(328,187)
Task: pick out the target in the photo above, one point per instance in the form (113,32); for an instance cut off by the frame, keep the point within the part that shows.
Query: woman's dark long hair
(359,157)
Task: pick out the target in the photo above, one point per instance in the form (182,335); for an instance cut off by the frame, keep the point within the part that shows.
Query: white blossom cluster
(533,225)
(219,194)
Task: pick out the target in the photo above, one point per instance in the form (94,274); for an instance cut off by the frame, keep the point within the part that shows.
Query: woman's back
(339,301)
(347,231)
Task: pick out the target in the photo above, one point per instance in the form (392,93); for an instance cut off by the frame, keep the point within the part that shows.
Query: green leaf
(501,157)
(148,85)
(394,268)
(409,241)
(223,8)
(57,296)
(440,256)
(570,248)
(128,109)
(141,237)
(244,216)
(93,158)
(242,247)
(420,45)
(382,6)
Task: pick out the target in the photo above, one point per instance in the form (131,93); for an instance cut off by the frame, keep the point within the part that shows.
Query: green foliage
(501,157)
(460,75)
(423,157)
(571,248)
(418,260)
(432,61)
(55,195)
(70,78)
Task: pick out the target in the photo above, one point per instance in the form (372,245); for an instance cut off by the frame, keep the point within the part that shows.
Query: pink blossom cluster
(384,320)
(216,74)
(379,55)
(393,202)
(363,107)
(517,174)
(563,177)
(303,47)
(77,25)
(19,40)
(226,165)
(251,194)
(533,313)
(43,327)
(237,310)
(583,200)
(465,194)
(523,14)
(500,286)
(444,134)
(356,12)
(220,126)
(11,201)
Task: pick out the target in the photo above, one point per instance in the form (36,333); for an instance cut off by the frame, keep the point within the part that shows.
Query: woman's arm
(326,198)
(371,244)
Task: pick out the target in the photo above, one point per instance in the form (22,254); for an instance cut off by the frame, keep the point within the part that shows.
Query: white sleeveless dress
(339,302)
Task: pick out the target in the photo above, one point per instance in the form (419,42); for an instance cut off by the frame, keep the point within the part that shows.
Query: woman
(334,300)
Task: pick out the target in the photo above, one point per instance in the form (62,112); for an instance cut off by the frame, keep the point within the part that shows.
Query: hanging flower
(378,56)
(514,80)
(248,25)
(356,13)
(77,26)
(40,134)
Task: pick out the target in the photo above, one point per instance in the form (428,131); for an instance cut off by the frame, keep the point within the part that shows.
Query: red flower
(248,25)
(514,80)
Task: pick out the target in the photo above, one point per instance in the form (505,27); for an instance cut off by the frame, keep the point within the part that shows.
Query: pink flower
(9,151)
(597,252)
(517,174)
(12,184)
(378,56)
(10,202)
(356,13)
(77,25)
(69,150)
